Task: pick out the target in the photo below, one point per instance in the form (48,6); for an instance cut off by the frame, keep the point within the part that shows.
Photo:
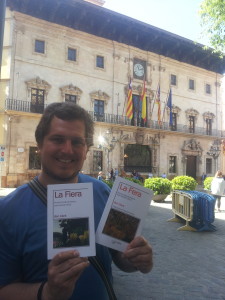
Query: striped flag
(143,100)
(169,104)
(159,104)
(129,112)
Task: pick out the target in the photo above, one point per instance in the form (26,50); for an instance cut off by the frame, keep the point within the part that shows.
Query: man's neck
(45,180)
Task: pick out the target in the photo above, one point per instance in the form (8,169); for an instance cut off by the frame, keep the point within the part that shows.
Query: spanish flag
(129,112)
(143,100)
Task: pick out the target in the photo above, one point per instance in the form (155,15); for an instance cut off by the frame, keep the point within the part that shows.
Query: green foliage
(212,14)
(185,183)
(111,182)
(158,185)
(108,182)
(207,183)
(134,180)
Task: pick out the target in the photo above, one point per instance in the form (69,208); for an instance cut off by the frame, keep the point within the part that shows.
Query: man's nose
(68,147)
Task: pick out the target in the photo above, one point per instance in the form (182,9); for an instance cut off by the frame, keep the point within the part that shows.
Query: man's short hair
(68,112)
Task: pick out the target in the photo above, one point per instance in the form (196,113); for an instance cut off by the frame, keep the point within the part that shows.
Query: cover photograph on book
(70,232)
(70,218)
(124,214)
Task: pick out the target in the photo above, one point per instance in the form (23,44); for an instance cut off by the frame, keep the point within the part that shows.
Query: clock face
(139,70)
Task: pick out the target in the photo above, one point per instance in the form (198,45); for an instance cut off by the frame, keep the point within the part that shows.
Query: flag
(143,100)
(159,104)
(129,112)
(169,104)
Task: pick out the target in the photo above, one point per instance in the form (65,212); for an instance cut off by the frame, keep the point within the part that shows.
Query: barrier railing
(182,206)
(196,208)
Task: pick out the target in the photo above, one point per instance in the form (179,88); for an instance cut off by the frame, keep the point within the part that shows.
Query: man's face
(63,151)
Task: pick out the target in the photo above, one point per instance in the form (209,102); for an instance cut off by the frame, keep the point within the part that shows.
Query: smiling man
(64,135)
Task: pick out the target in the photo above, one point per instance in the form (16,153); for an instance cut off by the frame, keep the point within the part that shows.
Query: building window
(174,122)
(37,100)
(97,160)
(192,124)
(72,54)
(34,159)
(71,98)
(208,88)
(208,165)
(100,61)
(208,126)
(39,46)
(99,110)
(172,164)
(191,84)
(173,79)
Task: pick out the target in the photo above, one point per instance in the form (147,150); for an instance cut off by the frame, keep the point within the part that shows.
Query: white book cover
(124,214)
(70,217)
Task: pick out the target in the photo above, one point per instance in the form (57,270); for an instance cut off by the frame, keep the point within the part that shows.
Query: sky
(177,16)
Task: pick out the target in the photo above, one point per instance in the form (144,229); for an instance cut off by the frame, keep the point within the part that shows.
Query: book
(70,219)
(124,214)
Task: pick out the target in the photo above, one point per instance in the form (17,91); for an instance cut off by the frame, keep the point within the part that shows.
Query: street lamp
(107,144)
(215,149)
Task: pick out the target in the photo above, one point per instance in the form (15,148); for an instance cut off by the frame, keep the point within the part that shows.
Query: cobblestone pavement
(187,265)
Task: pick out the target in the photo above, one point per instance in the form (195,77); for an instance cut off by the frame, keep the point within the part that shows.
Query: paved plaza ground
(187,265)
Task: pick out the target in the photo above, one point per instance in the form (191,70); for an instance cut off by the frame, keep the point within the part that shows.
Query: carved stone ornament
(71,90)
(192,147)
(137,90)
(191,112)
(208,115)
(99,95)
(175,109)
(140,136)
(38,83)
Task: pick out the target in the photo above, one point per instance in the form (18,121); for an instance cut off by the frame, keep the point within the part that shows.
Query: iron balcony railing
(26,106)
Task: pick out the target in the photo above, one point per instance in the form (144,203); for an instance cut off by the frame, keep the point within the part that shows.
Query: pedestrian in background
(100,175)
(217,187)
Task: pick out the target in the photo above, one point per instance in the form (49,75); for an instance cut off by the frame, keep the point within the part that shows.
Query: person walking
(217,187)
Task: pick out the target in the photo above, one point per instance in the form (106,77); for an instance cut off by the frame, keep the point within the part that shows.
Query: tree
(212,14)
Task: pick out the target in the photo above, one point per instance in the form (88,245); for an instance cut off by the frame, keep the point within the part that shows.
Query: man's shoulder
(17,194)
(82,178)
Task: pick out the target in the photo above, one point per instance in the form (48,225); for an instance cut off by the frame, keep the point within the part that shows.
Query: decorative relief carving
(99,95)
(191,112)
(71,90)
(38,83)
(192,147)
(137,89)
(208,115)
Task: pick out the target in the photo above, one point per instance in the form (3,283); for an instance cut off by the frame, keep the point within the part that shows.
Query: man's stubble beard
(59,178)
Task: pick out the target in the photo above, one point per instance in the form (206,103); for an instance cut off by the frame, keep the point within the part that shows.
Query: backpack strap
(41,192)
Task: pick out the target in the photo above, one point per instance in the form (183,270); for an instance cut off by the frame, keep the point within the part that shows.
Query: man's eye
(58,140)
(78,142)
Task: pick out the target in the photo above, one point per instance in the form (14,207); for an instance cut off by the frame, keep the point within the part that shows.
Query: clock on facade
(139,68)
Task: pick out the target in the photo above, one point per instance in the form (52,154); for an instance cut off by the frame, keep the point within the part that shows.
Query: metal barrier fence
(182,206)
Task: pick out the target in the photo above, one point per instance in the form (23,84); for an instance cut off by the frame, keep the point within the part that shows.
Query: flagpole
(165,105)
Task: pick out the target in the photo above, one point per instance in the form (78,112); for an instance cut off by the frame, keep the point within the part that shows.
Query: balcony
(25,106)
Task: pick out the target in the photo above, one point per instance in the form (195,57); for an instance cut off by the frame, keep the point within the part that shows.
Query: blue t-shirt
(23,241)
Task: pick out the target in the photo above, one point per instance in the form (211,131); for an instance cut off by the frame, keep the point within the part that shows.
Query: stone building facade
(46,60)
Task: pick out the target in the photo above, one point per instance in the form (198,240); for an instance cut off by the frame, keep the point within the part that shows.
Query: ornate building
(63,50)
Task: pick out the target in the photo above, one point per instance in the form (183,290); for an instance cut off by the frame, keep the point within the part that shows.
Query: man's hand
(137,256)
(63,272)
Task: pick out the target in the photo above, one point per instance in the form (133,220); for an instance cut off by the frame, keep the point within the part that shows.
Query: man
(64,135)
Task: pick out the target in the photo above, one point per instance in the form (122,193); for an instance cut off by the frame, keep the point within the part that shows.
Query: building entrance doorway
(138,158)
(191,166)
